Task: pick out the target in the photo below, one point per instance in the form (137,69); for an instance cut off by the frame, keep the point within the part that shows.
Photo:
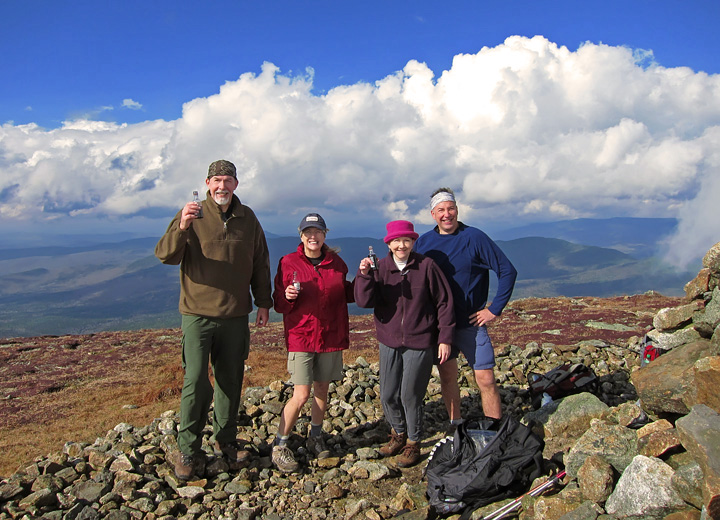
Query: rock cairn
(647,445)
(697,319)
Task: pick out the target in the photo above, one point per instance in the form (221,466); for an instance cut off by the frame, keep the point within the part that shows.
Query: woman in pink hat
(414,321)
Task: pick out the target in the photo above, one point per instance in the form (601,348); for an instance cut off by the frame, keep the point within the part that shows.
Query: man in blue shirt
(466,255)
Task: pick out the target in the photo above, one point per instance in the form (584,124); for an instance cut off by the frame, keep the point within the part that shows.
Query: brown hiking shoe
(234,454)
(409,456)
(394,445)
(184,466)
(283,458)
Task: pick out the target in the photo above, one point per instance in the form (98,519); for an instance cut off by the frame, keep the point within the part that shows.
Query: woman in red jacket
(311,292)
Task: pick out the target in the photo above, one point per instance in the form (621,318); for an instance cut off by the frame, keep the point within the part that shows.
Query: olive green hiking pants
(225,344)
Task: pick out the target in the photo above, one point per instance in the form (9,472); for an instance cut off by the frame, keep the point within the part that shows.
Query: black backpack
(484,462)
(562,381)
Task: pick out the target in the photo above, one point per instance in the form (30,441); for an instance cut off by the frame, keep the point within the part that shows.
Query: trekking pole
(515,504)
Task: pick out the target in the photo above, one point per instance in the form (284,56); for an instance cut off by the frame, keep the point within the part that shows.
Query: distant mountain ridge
(37,251)
(122,286)
(636,236)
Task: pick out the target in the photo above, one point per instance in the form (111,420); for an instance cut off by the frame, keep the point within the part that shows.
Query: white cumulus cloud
(526,130)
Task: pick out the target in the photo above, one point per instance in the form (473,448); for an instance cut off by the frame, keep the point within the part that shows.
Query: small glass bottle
(373,259)
(196,200)
(296,283)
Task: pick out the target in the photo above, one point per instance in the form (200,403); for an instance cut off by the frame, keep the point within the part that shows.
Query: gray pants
(404,376)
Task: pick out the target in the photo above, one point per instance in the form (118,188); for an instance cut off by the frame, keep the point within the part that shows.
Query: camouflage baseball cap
(222,167)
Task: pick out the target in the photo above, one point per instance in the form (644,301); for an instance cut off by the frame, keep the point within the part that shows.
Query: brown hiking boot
(235,455)
(184,466)
(394,445)
(199,463)
(409,456)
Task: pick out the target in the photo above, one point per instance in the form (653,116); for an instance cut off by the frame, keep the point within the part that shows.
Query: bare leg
(319,405)
(489,394)
(291,412)
(449,387)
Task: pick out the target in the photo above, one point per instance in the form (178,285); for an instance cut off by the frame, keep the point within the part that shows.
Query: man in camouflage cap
(223,256)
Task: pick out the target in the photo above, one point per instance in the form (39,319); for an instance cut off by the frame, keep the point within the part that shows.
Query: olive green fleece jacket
(220,262)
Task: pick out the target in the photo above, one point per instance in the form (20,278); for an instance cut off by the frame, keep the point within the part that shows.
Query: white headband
(439,197)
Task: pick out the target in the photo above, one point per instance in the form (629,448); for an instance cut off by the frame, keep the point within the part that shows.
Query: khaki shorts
(307,367)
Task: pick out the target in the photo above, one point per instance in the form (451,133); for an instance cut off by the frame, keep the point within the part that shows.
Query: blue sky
(63,60)
(531,110)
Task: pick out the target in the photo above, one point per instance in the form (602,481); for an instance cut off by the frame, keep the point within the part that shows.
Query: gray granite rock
(672,318)
(615,444)
(711,260)
(700,434)
(645,491)
(671,340)
(688,482)
(564,420)
(708,318)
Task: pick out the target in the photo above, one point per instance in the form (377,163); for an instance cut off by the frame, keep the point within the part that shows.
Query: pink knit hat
(399,228)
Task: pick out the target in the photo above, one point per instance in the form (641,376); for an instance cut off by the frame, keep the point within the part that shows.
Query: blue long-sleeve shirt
(466,257)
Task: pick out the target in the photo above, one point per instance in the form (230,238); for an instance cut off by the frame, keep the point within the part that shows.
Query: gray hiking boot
(283,458)
(316,446)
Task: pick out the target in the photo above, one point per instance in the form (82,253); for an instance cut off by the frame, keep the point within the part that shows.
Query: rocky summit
(645,444)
